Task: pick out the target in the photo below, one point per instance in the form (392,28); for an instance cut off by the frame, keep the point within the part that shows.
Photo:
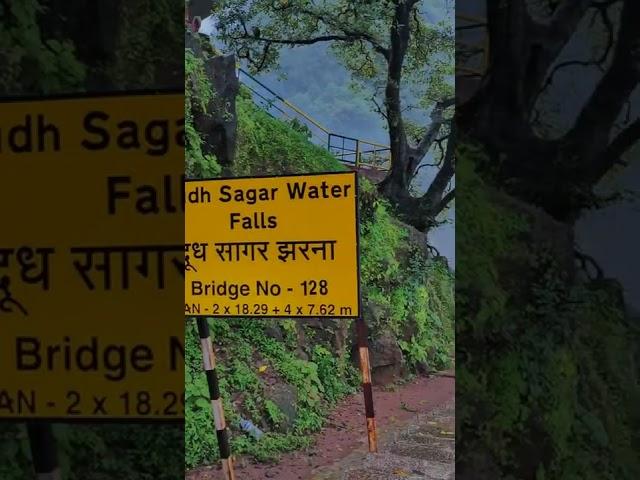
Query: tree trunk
(500,115)
(396,183)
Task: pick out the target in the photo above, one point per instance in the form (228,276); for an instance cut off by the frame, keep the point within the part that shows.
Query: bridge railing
(359,153)
(351,151)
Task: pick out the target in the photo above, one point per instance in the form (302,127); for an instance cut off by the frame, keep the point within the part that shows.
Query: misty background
(313,79)
(610,235)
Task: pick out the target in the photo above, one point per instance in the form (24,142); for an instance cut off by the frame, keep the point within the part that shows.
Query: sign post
(365,369)
(222,434)
(281,246)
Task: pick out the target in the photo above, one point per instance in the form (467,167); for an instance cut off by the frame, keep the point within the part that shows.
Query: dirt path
(343,440)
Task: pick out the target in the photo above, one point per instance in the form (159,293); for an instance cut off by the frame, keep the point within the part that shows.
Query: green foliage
(541,357)
(274,414)
(394,275)
(15,453)
(38,61)
(198,94)
(32,63)
(242,346)
(413,296)
(298,126)
(142,60)
(135,452)
(357,32)
(270,146)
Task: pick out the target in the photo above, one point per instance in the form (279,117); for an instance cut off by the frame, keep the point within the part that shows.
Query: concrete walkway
(423,449)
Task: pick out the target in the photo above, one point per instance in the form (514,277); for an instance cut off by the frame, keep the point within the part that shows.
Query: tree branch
(298,41)
(591,132)
(435,194)
(599,62)
(446,200)
(566,17)
(586,261)
(620,144)
(348,35)
(437,119)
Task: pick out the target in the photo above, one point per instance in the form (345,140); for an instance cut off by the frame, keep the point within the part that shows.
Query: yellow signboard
(91,258)
(272,247)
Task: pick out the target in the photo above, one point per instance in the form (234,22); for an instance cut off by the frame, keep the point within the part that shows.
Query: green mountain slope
(285,375)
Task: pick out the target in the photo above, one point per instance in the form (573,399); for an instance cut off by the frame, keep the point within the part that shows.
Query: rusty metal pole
(365,368)
(209,360)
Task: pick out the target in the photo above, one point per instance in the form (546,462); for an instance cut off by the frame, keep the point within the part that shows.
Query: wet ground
(424,450)
(416,424)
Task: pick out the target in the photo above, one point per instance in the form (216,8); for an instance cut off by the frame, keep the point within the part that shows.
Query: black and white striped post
(209,360)
(365,369)
(43,451)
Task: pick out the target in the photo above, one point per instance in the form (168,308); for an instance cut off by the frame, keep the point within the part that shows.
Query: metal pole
(43,451)
(365,368)
(222,433)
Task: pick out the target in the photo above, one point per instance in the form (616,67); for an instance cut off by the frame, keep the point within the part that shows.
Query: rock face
(285,397)
(333,331)
(218,126)
(387,360)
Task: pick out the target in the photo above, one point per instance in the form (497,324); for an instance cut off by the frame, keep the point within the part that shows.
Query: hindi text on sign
(289,234)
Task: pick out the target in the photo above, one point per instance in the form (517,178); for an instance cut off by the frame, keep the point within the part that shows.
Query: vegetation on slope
(546,386)
(262,361)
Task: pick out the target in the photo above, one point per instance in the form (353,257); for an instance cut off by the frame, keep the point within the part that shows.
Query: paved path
(424,449)
(416,424)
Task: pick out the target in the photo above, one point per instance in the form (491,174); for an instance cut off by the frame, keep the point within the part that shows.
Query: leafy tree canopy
(395,53)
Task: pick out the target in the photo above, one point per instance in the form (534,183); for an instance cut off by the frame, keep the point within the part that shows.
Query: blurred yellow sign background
(91,257)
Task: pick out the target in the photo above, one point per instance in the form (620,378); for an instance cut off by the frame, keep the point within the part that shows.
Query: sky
(610,235)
